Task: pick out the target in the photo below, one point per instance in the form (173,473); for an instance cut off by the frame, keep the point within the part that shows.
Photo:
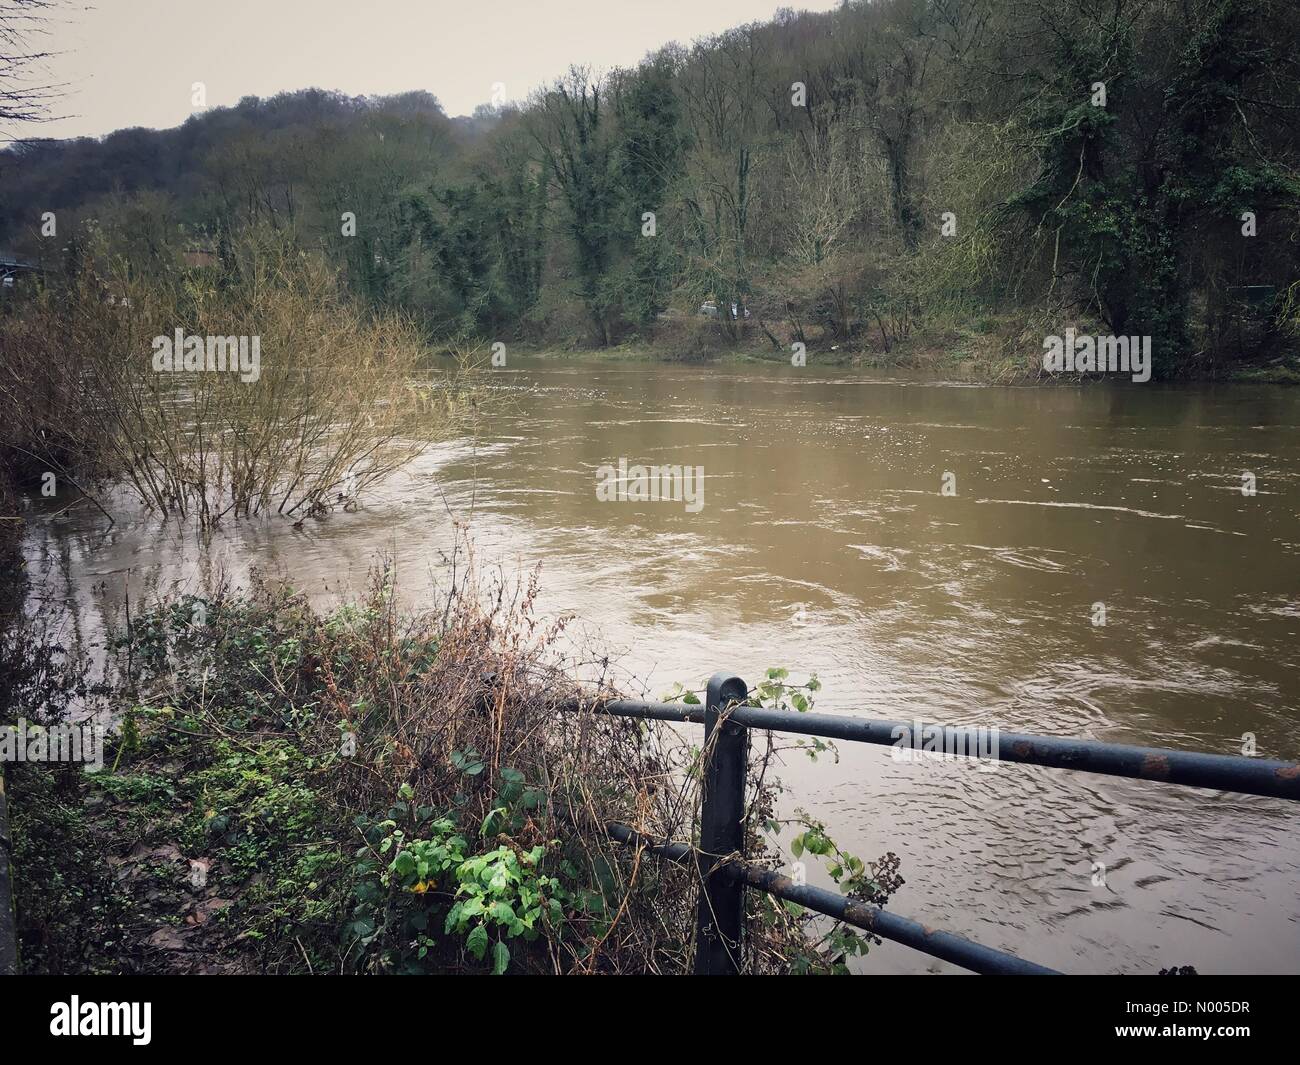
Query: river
(826,544)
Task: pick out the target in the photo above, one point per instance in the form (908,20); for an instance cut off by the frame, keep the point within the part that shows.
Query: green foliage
(72,917)
(578,150)
(824,945)
(468,761)
(502,895)
(417,873)
(776,693)
(250,802)
(1140,198)
(831,944)
(406,855)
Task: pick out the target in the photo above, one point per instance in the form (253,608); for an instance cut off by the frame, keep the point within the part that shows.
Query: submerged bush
(114,374)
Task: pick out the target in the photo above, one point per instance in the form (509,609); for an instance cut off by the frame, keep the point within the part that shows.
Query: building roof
(12,262)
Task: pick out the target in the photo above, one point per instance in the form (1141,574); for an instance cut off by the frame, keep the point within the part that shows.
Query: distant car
(709,309)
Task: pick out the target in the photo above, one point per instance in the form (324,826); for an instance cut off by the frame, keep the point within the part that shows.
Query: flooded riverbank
(929,550)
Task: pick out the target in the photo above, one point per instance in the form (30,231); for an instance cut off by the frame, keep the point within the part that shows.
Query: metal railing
(719,857)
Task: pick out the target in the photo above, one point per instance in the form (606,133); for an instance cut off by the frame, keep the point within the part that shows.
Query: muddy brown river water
(825,544)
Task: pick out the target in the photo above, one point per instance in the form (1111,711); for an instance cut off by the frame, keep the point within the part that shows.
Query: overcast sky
(132,62)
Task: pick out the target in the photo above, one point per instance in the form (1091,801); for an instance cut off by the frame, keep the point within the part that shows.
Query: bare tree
(26,95)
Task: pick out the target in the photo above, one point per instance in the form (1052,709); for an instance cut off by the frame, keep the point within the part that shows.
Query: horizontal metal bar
(654,711)
(673,852)
(873,919)
(932,941)
(1221,772)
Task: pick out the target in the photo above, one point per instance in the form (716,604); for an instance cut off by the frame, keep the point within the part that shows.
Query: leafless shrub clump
(332,407)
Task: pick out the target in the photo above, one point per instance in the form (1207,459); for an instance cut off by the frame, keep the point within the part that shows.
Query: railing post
(720,913)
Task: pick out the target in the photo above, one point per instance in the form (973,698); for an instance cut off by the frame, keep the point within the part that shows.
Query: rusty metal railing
(725,875)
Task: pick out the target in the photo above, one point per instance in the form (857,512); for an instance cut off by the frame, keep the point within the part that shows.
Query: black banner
(152,1014)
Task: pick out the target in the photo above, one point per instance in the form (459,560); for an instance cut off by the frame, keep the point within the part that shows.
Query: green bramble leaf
(477,942)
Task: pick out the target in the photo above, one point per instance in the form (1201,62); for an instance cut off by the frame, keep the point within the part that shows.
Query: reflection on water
(825,545)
